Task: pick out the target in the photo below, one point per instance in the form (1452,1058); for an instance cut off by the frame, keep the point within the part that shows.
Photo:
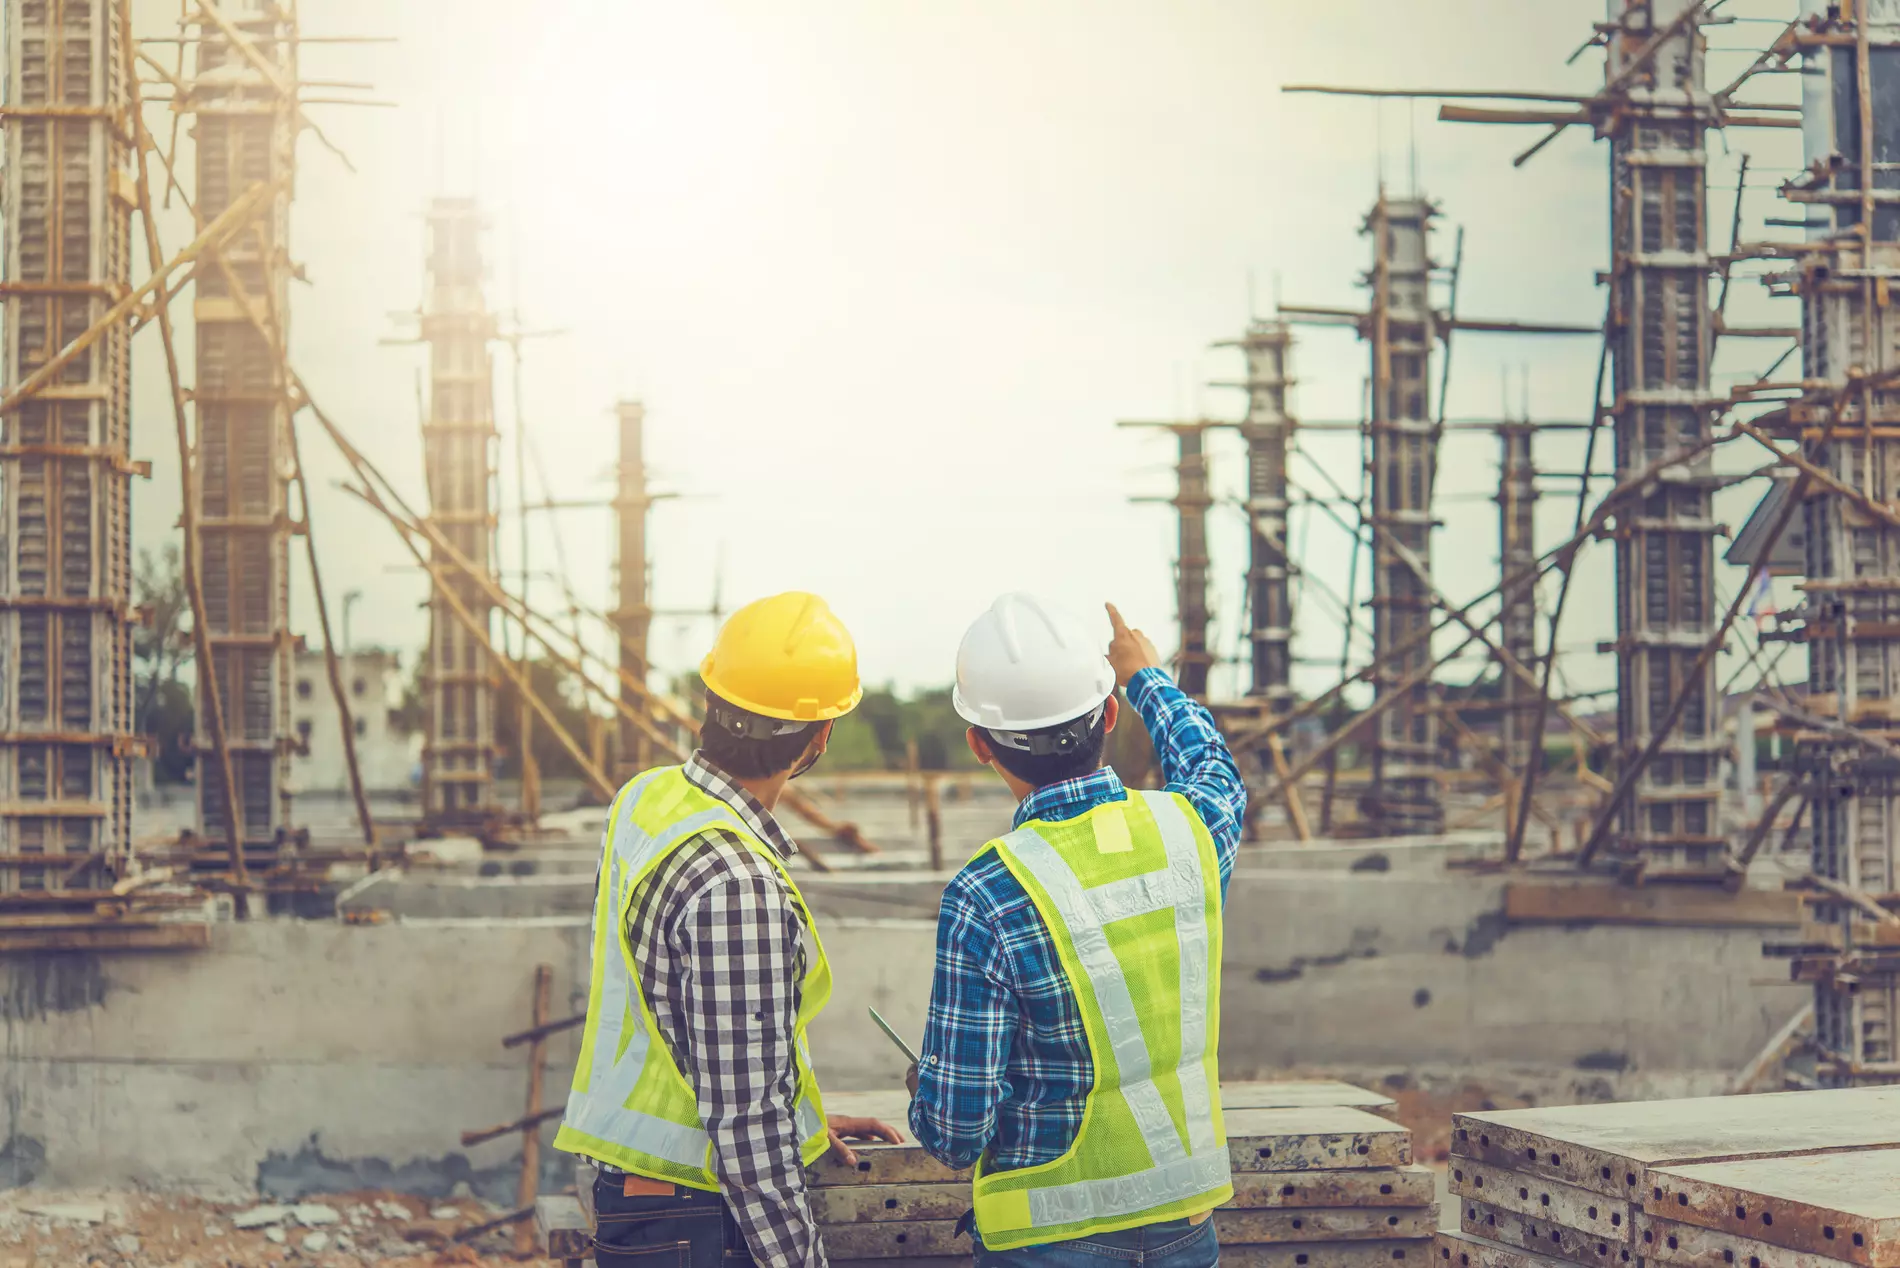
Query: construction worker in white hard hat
(1070,1050)
(694,1095)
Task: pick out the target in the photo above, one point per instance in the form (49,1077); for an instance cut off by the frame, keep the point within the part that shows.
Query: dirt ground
(42,1229)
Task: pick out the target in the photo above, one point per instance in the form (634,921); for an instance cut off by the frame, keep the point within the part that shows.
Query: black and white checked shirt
(720,949)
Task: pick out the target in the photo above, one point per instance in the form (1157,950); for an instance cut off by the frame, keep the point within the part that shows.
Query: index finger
(1115,619)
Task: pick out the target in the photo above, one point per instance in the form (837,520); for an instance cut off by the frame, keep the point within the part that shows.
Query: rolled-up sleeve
(1195,760)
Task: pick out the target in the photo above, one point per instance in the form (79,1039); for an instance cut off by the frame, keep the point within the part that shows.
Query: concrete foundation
(298,1057)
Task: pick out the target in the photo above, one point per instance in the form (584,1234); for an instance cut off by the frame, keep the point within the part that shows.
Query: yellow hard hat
(785,657)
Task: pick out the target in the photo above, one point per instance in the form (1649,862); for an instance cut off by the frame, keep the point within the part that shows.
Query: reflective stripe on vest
(1179,1171)
(599,1109)
(619,1042)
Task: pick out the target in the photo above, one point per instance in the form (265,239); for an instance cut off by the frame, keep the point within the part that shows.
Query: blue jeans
(1175,1244)
(689,1228)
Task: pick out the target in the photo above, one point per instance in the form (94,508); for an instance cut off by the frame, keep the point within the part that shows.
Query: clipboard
(894,1037)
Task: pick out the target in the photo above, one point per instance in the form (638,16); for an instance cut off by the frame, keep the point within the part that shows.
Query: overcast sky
(886,275)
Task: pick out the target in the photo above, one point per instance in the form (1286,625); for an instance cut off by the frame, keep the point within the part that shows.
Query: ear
(1114,713)
(979,745)
(824,736)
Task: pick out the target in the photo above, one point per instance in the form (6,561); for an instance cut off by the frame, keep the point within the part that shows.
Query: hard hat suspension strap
(1066,738)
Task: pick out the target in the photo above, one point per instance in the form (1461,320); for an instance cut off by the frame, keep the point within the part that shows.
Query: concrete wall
(301,1057)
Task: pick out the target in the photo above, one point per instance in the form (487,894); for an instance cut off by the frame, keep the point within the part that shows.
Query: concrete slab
(1609,1149)
(1679,1245)
(1843,1205)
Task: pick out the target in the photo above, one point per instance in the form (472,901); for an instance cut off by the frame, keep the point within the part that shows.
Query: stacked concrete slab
(1321,1180)
(1791,1180)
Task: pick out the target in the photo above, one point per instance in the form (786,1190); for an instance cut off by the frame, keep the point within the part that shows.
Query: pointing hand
(1129,651)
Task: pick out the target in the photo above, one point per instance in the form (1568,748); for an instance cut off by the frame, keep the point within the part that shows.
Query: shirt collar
(1071,797)
(750,809)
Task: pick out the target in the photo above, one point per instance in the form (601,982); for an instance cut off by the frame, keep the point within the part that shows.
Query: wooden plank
(1609,1148)
(1679,1245)
(175,936)
(1338,1224)
(1327,1137)
(1402,1186)
(1461,1250)
(1542,1237)
(560,1227)
(1541,1198)
(1845,1206)
(1609,902)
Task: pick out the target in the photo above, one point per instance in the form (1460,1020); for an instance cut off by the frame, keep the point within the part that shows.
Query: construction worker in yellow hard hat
(694,1095)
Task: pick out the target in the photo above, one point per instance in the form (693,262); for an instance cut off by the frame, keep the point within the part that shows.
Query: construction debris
(1611,1184)
(1320,1178)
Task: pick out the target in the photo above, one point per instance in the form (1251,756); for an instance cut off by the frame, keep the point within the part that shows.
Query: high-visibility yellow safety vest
(630,1105)
(1131,894)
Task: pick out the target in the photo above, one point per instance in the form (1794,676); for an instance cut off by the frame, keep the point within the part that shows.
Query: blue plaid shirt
(1005,1059)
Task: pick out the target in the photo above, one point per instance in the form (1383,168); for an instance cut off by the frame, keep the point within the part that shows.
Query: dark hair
(1042,769)
(745,758)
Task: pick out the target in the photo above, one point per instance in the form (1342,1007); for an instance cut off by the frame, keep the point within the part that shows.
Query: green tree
(161,648)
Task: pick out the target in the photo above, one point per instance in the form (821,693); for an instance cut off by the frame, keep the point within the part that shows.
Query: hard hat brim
(975,719)
(825,713)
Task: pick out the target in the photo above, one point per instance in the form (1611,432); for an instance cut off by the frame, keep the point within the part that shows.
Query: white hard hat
(1024,665)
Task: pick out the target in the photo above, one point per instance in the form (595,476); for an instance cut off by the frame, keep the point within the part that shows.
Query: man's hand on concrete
(1129,652)
(844,1127)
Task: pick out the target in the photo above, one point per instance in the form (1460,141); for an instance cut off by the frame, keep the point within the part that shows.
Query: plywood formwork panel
(244,131)
(459,447)
(66,712)
(1691,1246)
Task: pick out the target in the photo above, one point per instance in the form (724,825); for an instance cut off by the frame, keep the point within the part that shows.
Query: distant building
(386,755)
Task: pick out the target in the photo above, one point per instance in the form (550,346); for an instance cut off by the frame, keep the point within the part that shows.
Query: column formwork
(459,444)
(1661,329)
(1517,617)
(1849,425)
(1268,347)
(66,698)
(244,130)
(1403,798)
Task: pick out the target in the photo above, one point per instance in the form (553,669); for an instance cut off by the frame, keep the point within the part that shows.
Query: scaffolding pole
(66,715)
